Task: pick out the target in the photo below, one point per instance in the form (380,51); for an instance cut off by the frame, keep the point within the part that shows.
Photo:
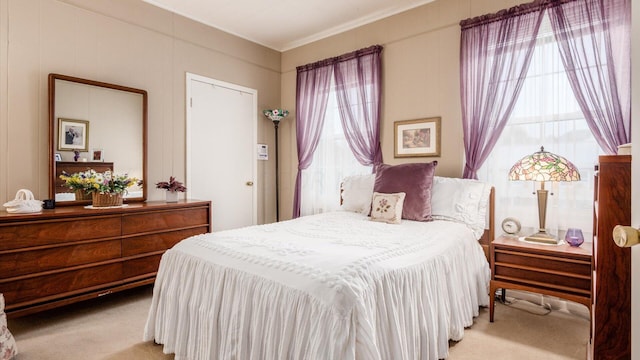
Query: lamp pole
(275,124)
(276,115)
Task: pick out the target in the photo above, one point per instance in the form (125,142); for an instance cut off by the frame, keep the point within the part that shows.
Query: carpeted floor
(111,328)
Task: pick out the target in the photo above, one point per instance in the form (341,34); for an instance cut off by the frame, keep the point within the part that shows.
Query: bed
(335,285)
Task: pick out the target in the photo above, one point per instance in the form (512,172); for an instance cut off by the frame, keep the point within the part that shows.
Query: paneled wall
(129,43)
(135,44)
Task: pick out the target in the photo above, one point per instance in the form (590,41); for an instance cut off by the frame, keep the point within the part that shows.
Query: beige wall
(135,44)
(125,42)
(420,78)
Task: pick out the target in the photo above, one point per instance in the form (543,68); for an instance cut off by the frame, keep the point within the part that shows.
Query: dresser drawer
(32,234)
(164,220)
(20,262)
(157,242)
(142,266)
(59,284)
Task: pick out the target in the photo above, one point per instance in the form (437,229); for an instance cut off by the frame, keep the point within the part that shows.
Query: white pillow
(356,193)
(387,207)
(461,200)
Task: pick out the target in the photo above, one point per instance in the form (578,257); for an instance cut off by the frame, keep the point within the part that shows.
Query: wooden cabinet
(611,308)
(562,271)
(71,254)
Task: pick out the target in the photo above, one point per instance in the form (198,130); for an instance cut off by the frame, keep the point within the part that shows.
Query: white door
(221,161)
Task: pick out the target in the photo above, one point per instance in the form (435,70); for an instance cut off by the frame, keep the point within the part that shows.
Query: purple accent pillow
(415,179)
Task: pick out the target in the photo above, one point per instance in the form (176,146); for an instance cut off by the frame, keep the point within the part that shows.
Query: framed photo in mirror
(73,134)
(97,155)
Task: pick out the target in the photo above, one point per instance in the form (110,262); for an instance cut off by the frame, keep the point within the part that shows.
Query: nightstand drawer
(544,262)
(544,279)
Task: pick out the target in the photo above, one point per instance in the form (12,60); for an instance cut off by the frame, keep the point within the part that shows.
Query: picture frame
(97,155)
(417,138)
(58,157)
(73,134)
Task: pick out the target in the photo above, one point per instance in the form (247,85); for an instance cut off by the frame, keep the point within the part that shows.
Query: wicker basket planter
(105,200)
(81,195)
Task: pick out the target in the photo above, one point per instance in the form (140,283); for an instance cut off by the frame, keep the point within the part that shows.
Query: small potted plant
(173,187)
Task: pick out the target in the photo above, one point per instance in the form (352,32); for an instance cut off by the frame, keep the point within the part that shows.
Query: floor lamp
(276,115)
(543,166)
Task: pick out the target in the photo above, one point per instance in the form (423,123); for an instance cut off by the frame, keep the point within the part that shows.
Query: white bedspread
(328,286)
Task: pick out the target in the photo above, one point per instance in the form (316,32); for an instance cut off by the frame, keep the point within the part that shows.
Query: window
(338,104)
(546,114)
(332,161)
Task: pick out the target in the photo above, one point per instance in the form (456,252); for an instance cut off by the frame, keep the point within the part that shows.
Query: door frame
(254,136)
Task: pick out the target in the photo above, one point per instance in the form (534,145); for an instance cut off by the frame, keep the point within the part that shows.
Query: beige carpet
(111,328)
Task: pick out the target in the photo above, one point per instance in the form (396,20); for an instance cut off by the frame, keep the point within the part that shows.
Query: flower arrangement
(91,181)
(172,185)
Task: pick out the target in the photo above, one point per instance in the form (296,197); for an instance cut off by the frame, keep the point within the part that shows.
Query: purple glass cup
(574,237)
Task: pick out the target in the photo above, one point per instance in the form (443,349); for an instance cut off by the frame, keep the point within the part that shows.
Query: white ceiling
(286,24)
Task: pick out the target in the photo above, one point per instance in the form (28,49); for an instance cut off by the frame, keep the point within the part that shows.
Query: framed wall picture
(97,155)
(414,138)
(73,134)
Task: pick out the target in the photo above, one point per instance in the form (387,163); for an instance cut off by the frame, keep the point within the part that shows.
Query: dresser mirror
(99,126)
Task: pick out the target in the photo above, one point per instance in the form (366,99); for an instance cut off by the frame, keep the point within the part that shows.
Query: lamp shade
(544,166)
(275,114)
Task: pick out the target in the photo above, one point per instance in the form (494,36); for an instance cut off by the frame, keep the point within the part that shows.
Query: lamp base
(542,237)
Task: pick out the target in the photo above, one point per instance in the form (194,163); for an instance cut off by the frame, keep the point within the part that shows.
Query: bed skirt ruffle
(203,311)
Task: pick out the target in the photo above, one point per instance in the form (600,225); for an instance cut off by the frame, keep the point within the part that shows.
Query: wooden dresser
(70,254)
(611,299)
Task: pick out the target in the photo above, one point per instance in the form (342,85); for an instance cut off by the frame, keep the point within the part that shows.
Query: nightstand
(557,270)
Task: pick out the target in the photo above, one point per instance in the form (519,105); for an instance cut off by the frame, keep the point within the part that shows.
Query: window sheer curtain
(546,113)
(332,162)
(356,77)
(312,93)
(575,102)
(594,37)
(358,92)
(494,59)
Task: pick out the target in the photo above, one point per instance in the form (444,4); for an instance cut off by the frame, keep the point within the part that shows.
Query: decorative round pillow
(8,348)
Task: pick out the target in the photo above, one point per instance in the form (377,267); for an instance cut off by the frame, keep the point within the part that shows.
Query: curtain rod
(340,58)
(518,10)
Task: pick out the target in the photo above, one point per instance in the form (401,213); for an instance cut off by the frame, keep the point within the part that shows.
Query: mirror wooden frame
(52,129)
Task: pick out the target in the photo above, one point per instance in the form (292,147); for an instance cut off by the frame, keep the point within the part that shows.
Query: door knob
(625,236)
(249,183)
